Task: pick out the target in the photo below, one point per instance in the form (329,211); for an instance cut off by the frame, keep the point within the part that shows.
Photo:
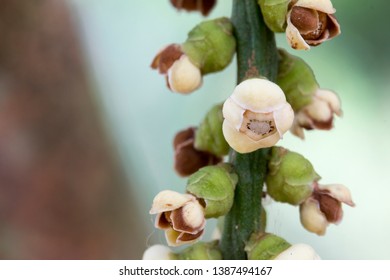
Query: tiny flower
(182,75)
(256,115)
(298,252)
(158,252)
(180,215)
(290,177)
(203,6)
(324,207)
(188,159)
(318,114)
(310,22)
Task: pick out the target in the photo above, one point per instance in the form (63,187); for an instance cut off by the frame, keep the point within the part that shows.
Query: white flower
(311,22)
(298,252)
(256,115)
(180,215)
(184,76)
(318,114)
(324,207)
(157,252)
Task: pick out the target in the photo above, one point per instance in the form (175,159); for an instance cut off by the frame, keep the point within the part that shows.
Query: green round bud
(265,246)
(290,176)
(296,79)
(200,251)
(211,45)
(215,186)
(275,14)
(209,136)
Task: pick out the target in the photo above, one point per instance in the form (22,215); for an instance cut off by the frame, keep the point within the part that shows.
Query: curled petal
(284,118)
(175,238)
(169,200)
(339,192)
(294,37)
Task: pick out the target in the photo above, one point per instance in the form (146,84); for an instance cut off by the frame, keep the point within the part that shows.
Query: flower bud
(256,115)
(209,136)
(314,107)
(324,207)
(265,246)
(184,76)
(310,22)
(211,45)
(290,176)
(203,6)
(181,216)
(158,252)
(274,14)
(214,185)
(201,251)
(189,159)
(181,74)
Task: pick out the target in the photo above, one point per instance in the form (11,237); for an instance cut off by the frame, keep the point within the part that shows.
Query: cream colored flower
(180,215)
(310,22)
(318,114)
(256,115)
(324,207)
(298,252)
(184,76)
(181,74)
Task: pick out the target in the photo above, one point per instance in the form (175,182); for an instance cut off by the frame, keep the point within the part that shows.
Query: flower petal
(241,143)
(284,118)
(189,218)
(258,95)
(324,6)
(294,38)
(339,192)
(233,113)
(184,76)
(169,200)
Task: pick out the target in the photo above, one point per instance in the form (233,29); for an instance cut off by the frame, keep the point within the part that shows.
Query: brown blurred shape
(63,194)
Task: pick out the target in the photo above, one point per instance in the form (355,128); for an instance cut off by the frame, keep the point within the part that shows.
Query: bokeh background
(140,116)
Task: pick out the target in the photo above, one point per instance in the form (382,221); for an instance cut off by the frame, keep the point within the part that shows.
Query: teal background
(120,39)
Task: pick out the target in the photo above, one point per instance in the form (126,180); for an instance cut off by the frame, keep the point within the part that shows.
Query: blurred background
(86,127)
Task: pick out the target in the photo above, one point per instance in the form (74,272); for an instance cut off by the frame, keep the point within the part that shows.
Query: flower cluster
(248,125)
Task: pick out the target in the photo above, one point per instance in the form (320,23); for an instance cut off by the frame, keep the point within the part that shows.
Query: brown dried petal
(330,206)
(165,58)
(306,20)
(182,136)
(204,6)
(188,160)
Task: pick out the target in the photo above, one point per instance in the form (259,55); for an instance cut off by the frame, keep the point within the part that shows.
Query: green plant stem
(256,57)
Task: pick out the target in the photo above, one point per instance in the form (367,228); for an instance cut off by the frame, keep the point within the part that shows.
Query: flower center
(258,125)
